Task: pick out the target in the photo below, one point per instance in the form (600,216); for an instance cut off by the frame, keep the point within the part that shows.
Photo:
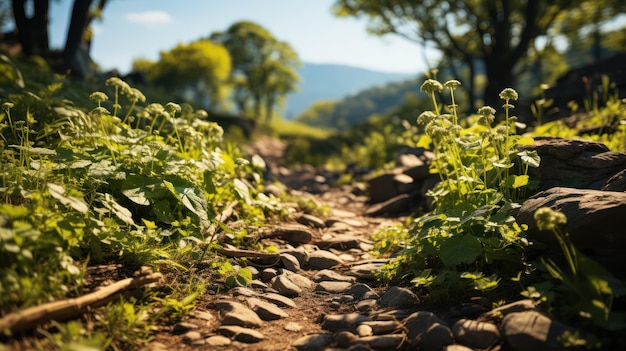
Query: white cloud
(149,18)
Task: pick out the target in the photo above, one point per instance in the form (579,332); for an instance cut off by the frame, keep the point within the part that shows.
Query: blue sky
(142,28)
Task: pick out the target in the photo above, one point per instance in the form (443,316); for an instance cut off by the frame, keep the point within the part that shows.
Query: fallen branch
(29,318)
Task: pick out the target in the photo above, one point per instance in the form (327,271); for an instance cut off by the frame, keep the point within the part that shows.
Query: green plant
(469,240)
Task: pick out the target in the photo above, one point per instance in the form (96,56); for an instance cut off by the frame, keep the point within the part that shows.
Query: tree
(200,68)
(496,33)
(263,68)
(32,32)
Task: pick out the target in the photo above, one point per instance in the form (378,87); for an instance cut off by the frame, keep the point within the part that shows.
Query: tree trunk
(32,32)
(76,55)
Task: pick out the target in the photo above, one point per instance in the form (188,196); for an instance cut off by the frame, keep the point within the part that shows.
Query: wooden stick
(29,318)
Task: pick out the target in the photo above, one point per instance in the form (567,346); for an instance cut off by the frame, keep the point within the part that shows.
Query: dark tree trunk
(32,32)
(76,53)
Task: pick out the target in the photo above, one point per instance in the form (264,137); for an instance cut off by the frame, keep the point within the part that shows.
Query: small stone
(279,300)
(268,274)
(243,291)
(366,271)
(344,339)
(436,338)
(366,305)
(357,290)
(294,233)
(327,274)
(332,287)
(322,259)
(217,340)
(257,284)
(255,272)
(192,336)
(241,315)
(370,295)
(285,286)
(399,297)
(531,330)
(312,342)
(457,347)
(183,327)
(475,334)
(300,280)
(337,322)
(364,330)
(383,327)
(299,253)
(384,342)
(342,242)
(204,315)
(241,334)
(290,262)
(419,323)
(518,306)
(311,221)
(267,311)
(292,326)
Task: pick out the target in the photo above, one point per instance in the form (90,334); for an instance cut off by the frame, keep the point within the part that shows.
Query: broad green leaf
(460,249)
(424,141)
(14,211)
(516,181)
(245,273)
(525,140)
(118,210)
(35,150)
(163,210)
(140,189)
(58,192)
(242,190)
(530,157)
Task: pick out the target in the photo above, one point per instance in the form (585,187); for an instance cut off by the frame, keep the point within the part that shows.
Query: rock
(278,300)
(383,327)
(332,287)
(364,330)
(312,342)
(292,326)
(475,334)
(399,297)
(310,221)
(192,336)
(457,347)
(294,233)
(342,242)
(268,274)
(383,342)
(241,334)
(366,271)
(290,262)
(285,286)
(322,259)
(243,291)
(404,183)
(301,281)
(594,223)
(382,187)
(574,163)
(299,253)
(328,275)
(348,321)
(243,317)
(344,339)
(358,290)
(436,338)
(366,305)
(217,340)
(397,204)
(531,330)
(419,323)
(266,310)
(183,327)
(498,313)
(616,182)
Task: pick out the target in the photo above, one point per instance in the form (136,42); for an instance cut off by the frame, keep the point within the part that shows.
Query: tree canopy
(495,33)
(263,68)
(200,69)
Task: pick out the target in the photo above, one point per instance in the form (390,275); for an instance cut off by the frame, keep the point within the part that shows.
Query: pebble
(364,330)
(384,342)
(183,327)
(266,310)
(322,259)
(217,340)
(313,342)
(268,274)
(366,305)
(357,290)
(332,287)
(292,326)
(327,274)
(285,286)
(300,280)
(383,327)
(290,262)
(192,336)
(279,300)
(242,316)
(241,334)
(345,338)
(399,297)
(475,334)
(311,221)
(347,321)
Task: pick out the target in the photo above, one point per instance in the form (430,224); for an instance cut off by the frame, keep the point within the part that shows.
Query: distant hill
(333,82)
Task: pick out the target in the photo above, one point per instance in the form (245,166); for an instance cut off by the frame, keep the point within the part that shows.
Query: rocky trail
(319,291)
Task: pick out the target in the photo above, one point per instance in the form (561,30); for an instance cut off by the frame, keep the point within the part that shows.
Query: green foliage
(470,236)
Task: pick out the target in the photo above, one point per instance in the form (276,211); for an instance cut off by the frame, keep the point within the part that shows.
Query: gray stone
(358,290)
(399,297)
(364,330)
(285,286)
(332,287)
(191,336)
(342,242)
(243,291)
(200,314)
(266,310)
(310,221)
(594,223)
(366,271)
(419,323)
(382,187)
(217,340)
(313,342)
(183,327)
(397,204)
(294,233)
(255,272)
(383,342)
(383,327)
(268,274)
(436,338)
(344,339)
(347,321)
(457,347)
(292,326)
(328,275)
(475,334)
(368,295)
(299,253)
(531,330)
(290,262)
(246,335)
(279,300)
(366,305)
(257,284)
(300,280)
(243,317)
(498,313)
(322,259)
